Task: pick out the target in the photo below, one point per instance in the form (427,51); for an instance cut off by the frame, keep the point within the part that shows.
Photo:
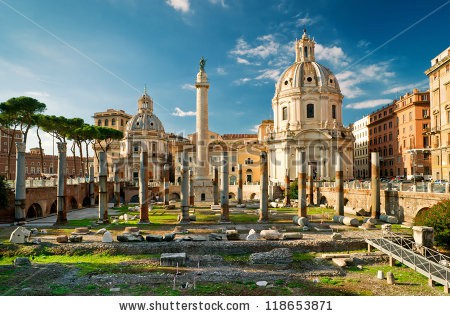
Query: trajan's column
(203,188)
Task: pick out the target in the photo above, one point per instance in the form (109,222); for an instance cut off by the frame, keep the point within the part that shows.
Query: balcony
(435,129)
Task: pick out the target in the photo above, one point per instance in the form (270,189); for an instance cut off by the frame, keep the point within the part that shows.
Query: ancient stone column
(224,200)
(143,187)
(184,190)
(19,214)
(239,190)
(116,185)
(61,216)
(91,186)
(263,204)
(287,183)
(216,185)
(339,185)
(102,188)
(375,184)
(166,184)
(191,188)
(202,86)
(310,185)
(302,186)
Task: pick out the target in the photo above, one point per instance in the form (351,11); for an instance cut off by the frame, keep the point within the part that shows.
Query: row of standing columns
(187,187)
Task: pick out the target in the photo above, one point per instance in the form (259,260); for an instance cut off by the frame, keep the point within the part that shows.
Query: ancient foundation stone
(107,237)
(20,235)
(21,262)
(76,238)
(172,259)
(232,234)
(271,234)
(275,256)
(130,238)
(62,239)
(290,236)
(154,238)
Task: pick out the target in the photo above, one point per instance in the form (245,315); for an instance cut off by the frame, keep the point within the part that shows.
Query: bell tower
(304,49)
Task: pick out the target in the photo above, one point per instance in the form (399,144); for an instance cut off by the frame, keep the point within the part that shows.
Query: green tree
(8,126)
(293,192)
(438,217)
(21,111)
(74,125)
(105,136)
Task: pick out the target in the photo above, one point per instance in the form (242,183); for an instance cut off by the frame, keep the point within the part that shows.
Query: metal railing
(424,260)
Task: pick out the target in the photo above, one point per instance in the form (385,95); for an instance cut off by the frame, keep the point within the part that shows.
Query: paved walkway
(85,213)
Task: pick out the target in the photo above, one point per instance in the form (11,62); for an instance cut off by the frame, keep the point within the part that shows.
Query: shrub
(3,193)
(293,192)
(438,217)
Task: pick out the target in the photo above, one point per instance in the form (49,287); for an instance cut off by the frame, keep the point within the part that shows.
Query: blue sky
(81,57)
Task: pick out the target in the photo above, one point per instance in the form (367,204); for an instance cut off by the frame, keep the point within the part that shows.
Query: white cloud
(188,86)
(273,74)
(363,44)
(221,2)
(306,20)
(254,129)
(267,47)
(241,81)
(334,54)
(377,71)
(368,104)
(221,71)
(243,61)
(407,88)
(179,5)
(179,112)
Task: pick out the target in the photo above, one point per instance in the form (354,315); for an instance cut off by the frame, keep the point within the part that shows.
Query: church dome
(145,119)
(306,74)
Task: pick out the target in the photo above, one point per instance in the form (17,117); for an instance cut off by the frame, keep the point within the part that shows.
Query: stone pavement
(85,213)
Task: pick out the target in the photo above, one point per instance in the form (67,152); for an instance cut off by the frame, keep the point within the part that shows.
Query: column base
(263,220)
(144,222)
(184,222)
(224,221)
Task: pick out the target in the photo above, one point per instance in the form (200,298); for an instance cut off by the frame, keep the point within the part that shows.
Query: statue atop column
(202,63)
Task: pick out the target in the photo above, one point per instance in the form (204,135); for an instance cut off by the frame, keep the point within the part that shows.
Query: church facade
(307,110)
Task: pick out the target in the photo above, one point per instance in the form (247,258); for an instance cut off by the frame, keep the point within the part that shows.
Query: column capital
(62,147)
(21,147)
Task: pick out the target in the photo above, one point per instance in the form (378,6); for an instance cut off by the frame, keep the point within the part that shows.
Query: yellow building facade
(439,77)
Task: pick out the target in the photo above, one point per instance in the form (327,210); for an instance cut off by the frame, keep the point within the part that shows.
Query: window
(113,122)
(310,111)
(390,136)
(424,97)
(390,124)
(333,111)
(135,148)
(106,122)
(424,126)
(249,161)
(285,113)
(379,128)
(99,122)
(410,116)
(121,122)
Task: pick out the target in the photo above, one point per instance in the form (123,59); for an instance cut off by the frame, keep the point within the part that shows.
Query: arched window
(121,122)
(106,122)
(306,52)
(113,122)
(285,113)
(310,111)
(333,111)
(99,123)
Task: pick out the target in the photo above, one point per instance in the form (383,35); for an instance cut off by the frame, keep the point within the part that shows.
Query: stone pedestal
(423,236)
(375,184)
(61,216)
(302,186)
(339,185)
(20,194)
(263,204)
(102,188)
(143,187)
(224,201)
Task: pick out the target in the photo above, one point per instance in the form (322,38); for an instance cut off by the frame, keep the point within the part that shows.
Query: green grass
(332,281)
(402,274)
(236,258)
(302,256)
